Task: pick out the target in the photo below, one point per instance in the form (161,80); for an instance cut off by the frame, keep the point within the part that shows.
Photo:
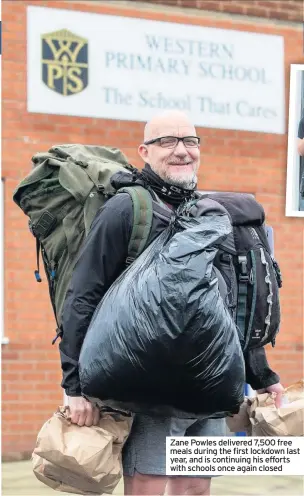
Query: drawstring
(36,272)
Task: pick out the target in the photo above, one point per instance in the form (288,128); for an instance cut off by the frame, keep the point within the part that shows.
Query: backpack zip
(254,296)
(50,270)
(270,295)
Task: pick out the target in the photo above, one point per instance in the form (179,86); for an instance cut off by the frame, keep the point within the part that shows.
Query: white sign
(104,66)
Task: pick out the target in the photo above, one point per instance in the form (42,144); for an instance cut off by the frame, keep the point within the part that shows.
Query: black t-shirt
(301,129)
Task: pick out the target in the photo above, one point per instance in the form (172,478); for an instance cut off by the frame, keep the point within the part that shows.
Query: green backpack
(61,196)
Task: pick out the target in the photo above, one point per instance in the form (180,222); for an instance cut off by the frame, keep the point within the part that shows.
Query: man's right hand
(82,411)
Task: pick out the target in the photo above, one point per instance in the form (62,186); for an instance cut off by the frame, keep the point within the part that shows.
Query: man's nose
(180,149)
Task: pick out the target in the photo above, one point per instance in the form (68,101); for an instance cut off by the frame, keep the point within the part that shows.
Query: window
(295,163)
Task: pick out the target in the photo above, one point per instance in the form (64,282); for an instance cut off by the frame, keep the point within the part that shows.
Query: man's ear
(143,152)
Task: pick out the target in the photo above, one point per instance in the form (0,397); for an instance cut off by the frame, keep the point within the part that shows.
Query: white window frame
(293,158)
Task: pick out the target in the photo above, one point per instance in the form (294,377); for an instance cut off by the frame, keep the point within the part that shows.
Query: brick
(269,4)
(11,26)
(13,37)
(14,366)
(32,396)
(22,387)
(258,12)
(25,428)
(8,399)
(9,355)
(206,5)
(11,416)
(188,4)
(37,415)
(233,8)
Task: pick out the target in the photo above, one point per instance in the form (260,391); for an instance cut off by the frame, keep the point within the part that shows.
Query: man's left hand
(275,388)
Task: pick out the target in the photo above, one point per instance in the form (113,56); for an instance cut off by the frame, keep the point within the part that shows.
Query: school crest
(64,62)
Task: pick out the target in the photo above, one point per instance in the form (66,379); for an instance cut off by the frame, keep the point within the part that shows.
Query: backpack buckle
(129,261)
(44,225)
(277,272)
(243,277)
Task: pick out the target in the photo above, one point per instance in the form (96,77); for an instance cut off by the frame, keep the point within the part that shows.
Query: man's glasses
(172,141)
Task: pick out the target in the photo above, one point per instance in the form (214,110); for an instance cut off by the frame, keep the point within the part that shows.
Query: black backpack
(251,273)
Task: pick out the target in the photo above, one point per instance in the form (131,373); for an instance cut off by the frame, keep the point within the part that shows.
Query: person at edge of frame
(301,153)
(301,137)
(171,154)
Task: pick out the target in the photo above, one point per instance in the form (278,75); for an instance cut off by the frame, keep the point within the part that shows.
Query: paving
(18,480)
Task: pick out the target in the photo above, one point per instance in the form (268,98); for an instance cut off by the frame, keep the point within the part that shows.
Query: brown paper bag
(295,391)
(258,416)
(81,460)
(267,420)
(288,420)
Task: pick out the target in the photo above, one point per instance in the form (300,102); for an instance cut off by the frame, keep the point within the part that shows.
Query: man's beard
(183,182)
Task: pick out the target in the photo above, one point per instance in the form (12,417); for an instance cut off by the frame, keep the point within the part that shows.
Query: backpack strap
(242,295)
(142,220)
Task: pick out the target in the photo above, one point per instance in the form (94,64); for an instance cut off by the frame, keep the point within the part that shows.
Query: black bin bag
(162,341)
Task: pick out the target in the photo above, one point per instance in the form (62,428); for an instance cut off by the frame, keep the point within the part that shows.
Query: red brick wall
(288,10)
(232,160)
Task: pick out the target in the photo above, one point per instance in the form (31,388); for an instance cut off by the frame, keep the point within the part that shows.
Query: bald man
(171,153)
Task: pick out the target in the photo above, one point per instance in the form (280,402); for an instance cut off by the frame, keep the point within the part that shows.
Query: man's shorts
(145,449)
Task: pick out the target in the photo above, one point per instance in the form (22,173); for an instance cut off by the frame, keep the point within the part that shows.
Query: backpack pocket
(263,315)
